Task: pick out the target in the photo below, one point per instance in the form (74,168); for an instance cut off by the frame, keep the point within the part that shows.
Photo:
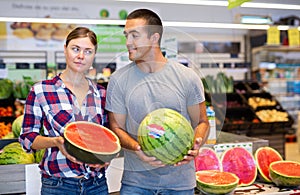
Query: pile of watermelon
(13,153)
(267,165)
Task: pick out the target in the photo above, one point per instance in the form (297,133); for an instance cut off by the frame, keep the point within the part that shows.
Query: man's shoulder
(123,70)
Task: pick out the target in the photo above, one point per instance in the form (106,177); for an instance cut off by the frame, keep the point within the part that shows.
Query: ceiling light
(216,25)
(122,22)
(63,21)
(270,5)
(189,2)
(223,3)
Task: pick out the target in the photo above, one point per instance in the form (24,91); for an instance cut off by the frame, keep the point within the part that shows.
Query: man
(148,83)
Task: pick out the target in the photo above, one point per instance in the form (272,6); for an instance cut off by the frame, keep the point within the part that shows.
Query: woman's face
(80,54)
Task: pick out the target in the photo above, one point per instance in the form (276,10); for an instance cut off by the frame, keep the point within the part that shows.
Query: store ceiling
(176,12)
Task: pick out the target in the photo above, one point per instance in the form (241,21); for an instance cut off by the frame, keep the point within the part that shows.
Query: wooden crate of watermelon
(13,160)
(238,171)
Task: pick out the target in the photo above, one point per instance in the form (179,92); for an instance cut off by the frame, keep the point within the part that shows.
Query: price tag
(220,148)
(3,73)
(40,65)
(22,65)
(293,35)
(61,66)
(273,36)
(2,65)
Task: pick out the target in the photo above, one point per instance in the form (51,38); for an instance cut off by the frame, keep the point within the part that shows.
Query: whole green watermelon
(166,134)
(13,153)
(17,125)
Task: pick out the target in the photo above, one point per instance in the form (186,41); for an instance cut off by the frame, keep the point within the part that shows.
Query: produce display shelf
(14,181)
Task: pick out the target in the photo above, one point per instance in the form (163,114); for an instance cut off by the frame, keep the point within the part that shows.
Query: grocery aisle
(292,151)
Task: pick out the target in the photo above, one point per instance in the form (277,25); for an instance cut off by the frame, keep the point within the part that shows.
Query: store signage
(235,3)
(273,36)
(110,38)
(42,65)
(2,65)
(22,65)
(220,148)
(170,48)
(294,38)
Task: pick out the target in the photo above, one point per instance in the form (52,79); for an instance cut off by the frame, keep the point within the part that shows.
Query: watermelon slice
(207,159)
(241,162)
(90,142)
(264,156)
(216,182)
(285,173)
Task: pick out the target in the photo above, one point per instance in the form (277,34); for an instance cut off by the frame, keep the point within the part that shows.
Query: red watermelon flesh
(95,138)
(264,156)
(239,161)
(207,159)
(285,173)
(216,182)
(289,168)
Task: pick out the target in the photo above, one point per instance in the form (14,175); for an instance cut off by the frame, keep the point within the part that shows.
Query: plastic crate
(241,88)
(226,100)
(255,87)
(241,119)
(264,95)
(277,124)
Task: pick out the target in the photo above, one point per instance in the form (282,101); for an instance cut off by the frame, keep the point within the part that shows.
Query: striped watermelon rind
(165,134)
(216,182)
(264,156)
(80,143)
(280,176)
(13,153)
(241,162)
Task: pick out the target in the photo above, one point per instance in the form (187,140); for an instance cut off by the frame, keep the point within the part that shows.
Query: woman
(51,105)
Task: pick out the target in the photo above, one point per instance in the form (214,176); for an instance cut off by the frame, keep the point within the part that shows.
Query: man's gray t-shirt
(135,93)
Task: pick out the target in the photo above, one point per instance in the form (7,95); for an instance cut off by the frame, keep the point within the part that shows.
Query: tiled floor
(292,151)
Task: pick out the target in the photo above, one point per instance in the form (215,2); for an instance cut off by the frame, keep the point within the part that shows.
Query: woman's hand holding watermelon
(59,142)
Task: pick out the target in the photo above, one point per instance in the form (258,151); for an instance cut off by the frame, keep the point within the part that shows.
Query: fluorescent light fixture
(223,3)
(252,19)
(122,22)
(63,20)
(270,5)
(216,25)
(187,2)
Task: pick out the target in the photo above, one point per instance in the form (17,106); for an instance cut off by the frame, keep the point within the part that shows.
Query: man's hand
(191,153)
(149,159)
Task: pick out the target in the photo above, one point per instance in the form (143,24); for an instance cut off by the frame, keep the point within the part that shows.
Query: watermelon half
(90,142)
(241,162)
(216,182)
(207,159)
(285,173)
(166,134)
(264,156)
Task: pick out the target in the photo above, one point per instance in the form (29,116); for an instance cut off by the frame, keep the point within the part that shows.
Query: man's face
(137,41)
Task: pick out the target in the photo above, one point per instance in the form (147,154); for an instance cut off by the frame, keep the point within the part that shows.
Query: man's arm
(199,121)
(117,124)
(200,124)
